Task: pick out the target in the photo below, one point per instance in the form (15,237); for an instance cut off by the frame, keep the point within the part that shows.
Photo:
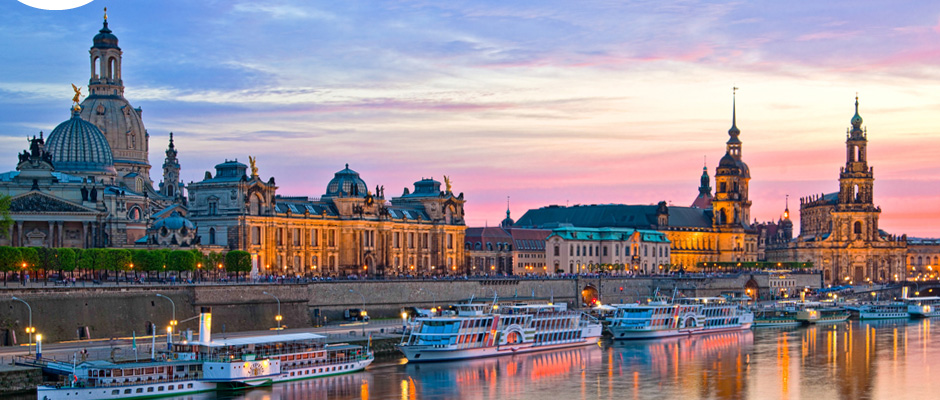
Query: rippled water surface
(867,360)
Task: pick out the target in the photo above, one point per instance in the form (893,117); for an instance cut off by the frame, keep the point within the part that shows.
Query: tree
(181,260)
(238,261)
(30,257)
(48,259)
(9,260)
(120,260)
(5,220)
(67,259)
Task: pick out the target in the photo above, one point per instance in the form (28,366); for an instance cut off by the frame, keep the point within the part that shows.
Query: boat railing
(85,383)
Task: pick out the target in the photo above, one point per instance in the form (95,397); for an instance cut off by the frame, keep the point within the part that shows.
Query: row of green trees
(127,261)
(753,265)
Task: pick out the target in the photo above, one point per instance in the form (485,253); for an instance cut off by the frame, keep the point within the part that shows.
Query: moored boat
(207,365)
(475,330)
(879,310)
(923,307)
(686,316)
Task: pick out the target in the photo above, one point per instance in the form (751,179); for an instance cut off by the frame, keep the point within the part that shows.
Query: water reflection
(869,360)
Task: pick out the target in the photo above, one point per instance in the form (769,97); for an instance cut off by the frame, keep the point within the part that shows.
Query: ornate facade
(714,228)
(88,183)
(839,231)
(349,230)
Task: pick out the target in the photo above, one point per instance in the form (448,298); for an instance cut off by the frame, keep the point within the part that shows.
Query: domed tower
(107,108)
(731,205)
(79,148)
(171,186)
(855,208)
(507,222)
(704,198)
(346,183)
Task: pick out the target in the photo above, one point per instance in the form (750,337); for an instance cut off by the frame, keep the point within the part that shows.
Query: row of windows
(169,388)
(591,250)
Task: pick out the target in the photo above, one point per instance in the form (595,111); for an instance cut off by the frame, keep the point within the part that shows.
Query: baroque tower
(855,216)
(171,186)
(732,209)
(121,123)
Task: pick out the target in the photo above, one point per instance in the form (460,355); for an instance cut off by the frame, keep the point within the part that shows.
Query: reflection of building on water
(712,365)
(494,377)
(348,386)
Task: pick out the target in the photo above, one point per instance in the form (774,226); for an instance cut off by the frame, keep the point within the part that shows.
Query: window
(213,207)
(605,251)
(450,240)
(256,235)
(557,251)
(296,234)
(211,235)
(332,241)
(314,239)
(279,236)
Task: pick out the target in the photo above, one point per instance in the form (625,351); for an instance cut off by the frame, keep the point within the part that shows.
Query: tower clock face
(55,4)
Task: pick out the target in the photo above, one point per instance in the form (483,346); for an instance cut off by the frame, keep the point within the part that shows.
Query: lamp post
(29,329)
(277,317)
(39,346)
(169,329)
(363,309)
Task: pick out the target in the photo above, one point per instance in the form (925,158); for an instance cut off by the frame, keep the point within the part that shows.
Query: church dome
(79,146)
(346,183)
(174,222)
(106,39)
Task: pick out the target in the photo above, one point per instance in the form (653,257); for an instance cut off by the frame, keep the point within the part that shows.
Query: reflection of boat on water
(347,386)
(687,316)
(458,379)
(484,330)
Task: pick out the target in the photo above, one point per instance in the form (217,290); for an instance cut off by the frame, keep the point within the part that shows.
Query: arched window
(211,235)
(858,227)
(254,205)
(112,68)
(489,246)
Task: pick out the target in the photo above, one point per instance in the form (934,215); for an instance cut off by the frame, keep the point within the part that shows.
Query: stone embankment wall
(18,379)
(105,312)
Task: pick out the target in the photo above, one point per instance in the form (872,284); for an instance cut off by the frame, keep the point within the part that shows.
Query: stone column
(51,236)
(20,236)
(61,233)
(85,234)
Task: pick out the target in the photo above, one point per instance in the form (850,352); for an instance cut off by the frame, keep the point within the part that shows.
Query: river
(854,360)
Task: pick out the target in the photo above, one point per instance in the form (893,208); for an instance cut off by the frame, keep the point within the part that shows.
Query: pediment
(36,202)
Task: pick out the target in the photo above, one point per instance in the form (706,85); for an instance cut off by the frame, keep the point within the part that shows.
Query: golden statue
(254,168)
(77,97)
(106,14)
(447,184)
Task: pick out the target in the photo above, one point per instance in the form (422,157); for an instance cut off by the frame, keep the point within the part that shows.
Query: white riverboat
(879,310)
(207,365)
(687,316)
(475,330)
(923,307)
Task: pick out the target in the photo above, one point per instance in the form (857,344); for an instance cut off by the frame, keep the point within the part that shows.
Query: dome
(346,183)
(78,146)
(727,162)
(105,39)
(174,222)
(856,119)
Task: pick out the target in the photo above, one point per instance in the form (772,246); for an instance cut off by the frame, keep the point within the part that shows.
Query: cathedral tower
(106,108)
(171,186)
(731,205)
(855,216)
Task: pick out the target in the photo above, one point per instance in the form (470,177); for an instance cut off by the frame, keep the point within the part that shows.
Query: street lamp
(277,317)
(169,329)
(29,329)
(363,310)
(39,346)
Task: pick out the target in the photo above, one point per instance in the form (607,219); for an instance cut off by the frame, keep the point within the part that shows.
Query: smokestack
(205,325)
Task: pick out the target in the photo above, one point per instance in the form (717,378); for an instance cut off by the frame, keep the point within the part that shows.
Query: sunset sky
(548,102)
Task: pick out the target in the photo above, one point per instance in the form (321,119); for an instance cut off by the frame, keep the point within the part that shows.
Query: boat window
(139,390)
(115,392)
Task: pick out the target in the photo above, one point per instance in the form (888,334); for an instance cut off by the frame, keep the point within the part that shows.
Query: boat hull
(431,354)
(619,334)
(149,390)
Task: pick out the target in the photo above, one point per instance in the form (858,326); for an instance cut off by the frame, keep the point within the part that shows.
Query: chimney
(205,325)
